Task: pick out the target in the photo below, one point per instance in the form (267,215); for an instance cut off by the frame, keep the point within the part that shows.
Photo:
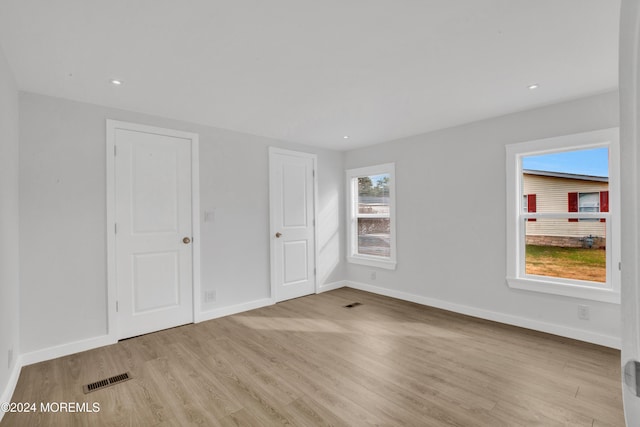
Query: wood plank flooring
(311,362)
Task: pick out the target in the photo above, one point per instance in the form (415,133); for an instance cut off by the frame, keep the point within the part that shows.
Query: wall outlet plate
(209,296)
(583,312)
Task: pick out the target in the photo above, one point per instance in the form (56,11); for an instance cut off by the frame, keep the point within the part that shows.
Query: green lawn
(570,263)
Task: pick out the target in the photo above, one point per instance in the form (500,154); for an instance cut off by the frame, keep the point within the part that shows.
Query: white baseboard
(7,393)
(100,341)
(233,309)
(331,286)
(523,322)
(48,354)
(65,349)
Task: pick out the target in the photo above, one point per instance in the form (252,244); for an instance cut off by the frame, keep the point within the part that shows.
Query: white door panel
(292,189)
(295,266)
(294,193)
(154,269)
(154,192)
(156,281)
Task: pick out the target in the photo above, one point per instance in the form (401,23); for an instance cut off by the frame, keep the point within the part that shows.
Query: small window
(371,200)
(589,202)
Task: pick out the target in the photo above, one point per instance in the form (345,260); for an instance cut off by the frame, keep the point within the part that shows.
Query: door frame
(629,87)
(272,225)
(112,288)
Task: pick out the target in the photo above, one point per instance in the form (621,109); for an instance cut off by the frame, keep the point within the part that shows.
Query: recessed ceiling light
(533,86)
(346,137)
(116,82)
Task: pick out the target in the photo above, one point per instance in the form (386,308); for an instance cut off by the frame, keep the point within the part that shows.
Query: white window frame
(352,216)
(516,275)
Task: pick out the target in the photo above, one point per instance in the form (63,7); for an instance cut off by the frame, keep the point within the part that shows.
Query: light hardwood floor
(309,361)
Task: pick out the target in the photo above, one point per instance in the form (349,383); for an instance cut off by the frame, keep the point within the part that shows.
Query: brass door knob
(278,234)
(186,240)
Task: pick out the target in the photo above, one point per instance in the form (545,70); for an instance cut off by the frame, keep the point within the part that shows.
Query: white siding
(552,196)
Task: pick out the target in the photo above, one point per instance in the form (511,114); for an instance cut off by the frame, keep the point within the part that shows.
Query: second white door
(292,223)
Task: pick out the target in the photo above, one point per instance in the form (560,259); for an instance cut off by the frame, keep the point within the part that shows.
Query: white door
(292,223)
(153,231)
(630,188)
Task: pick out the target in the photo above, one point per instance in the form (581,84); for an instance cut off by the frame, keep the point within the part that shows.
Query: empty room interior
(236,213)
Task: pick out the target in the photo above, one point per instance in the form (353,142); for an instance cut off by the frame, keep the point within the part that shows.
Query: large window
(371,216)
(563,227)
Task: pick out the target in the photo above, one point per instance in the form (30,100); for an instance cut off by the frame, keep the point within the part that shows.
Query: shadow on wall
(328,239)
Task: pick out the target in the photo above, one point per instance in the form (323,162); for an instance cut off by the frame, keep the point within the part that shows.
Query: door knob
(186,240)
(278,234)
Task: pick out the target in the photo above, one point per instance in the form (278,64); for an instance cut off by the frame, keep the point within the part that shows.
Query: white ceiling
(312,71)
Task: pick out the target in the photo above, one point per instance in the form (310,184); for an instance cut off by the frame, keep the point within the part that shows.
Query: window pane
(569,250)
(374,236)
(589,202)
(373,194)
(570,181)
(590,162)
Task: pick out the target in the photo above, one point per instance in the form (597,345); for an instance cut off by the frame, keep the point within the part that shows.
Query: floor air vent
(106,382)
(353,304)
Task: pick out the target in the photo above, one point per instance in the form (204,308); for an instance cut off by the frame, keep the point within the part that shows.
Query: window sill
(568,290)
(372,262)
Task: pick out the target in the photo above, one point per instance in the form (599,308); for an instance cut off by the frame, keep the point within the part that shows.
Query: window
(593,202)
(589,202)
(371,216)
(563,227)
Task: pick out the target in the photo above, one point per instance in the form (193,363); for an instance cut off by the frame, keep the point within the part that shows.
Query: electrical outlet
(209,296)
(583,312)
(373,275)
(9,358)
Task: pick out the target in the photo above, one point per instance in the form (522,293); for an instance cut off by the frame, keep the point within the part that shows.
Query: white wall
(451,230)
(63,220)
(9,240)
